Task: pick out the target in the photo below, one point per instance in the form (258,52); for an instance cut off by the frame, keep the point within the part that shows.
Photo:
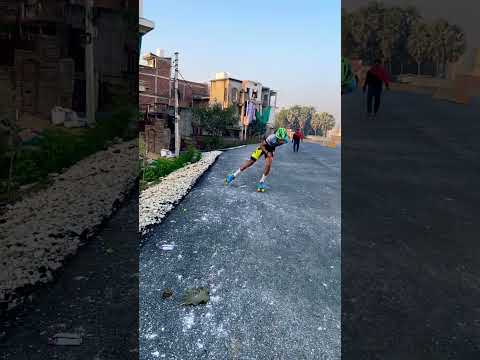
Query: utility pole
(177,120)
(89,63)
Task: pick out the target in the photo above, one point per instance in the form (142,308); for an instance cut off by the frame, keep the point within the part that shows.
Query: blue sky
(291,46)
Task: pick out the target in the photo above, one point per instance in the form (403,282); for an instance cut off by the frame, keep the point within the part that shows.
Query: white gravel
(158,200)
(39,232)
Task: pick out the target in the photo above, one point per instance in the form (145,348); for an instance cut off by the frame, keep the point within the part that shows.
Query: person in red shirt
(376,77)
(297,137)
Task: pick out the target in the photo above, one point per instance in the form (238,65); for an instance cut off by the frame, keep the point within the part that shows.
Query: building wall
(49,67)
(157,85)
(157,138)
(217,92)
(221,93)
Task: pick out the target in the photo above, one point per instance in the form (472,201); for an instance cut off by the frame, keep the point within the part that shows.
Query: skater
(297,137)
(266,149)
(349,80)
(375,79)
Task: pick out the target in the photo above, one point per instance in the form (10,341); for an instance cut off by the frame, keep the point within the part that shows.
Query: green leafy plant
(162,167)
(59,148)
(215,120)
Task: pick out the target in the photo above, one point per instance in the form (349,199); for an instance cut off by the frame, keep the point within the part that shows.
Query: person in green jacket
(348,77)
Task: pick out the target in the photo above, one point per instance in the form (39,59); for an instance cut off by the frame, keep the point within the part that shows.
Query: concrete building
(144,25)
(228,91)
(43,51)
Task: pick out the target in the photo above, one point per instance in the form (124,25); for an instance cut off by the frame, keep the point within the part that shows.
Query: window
(234,95)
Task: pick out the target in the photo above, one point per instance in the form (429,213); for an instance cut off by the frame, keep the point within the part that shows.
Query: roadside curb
(232,148)
(170,205)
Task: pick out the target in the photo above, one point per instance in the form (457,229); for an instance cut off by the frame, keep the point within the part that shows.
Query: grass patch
(60,148)
(160,168)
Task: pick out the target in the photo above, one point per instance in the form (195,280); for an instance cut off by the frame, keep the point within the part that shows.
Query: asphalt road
(410,250)
(271,262)
(93,296)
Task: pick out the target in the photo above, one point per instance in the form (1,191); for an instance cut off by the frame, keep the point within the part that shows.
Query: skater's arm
(264,149)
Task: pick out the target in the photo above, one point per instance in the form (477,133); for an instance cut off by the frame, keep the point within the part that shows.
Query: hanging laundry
(266,115)
(250,111)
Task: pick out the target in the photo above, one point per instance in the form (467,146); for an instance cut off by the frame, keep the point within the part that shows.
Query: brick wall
(157,137)
(157,85)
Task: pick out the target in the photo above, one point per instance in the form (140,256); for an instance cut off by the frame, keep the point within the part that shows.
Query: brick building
(43,49)
(156,100)
(157,89)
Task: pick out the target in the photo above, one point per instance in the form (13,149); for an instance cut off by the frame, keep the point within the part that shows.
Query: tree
(419,44)
(214,119)
(410,17)
(456,44)
(298,116)
(439,35)
(368,24)
(348,43)
(400,33)
(316,123)
(326,122)
(281,119)
(391,33)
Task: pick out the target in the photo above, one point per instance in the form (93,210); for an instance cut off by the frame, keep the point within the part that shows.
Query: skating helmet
(282,134)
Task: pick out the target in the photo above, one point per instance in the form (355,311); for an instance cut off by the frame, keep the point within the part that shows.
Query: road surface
(93,296)
(270,260)
(410,229)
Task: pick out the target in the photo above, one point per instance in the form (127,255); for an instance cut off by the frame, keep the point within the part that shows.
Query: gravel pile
(158,200)
(39,232)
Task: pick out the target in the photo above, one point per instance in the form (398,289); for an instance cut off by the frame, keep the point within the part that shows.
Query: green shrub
(59,148)
(162,167)
(213,142)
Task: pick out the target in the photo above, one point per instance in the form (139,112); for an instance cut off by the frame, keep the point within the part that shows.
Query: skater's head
(282,135)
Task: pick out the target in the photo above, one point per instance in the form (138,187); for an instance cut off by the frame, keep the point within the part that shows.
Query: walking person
(297,137)
(376,77)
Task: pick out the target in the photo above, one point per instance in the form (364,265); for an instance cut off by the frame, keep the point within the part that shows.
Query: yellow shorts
(257,154)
